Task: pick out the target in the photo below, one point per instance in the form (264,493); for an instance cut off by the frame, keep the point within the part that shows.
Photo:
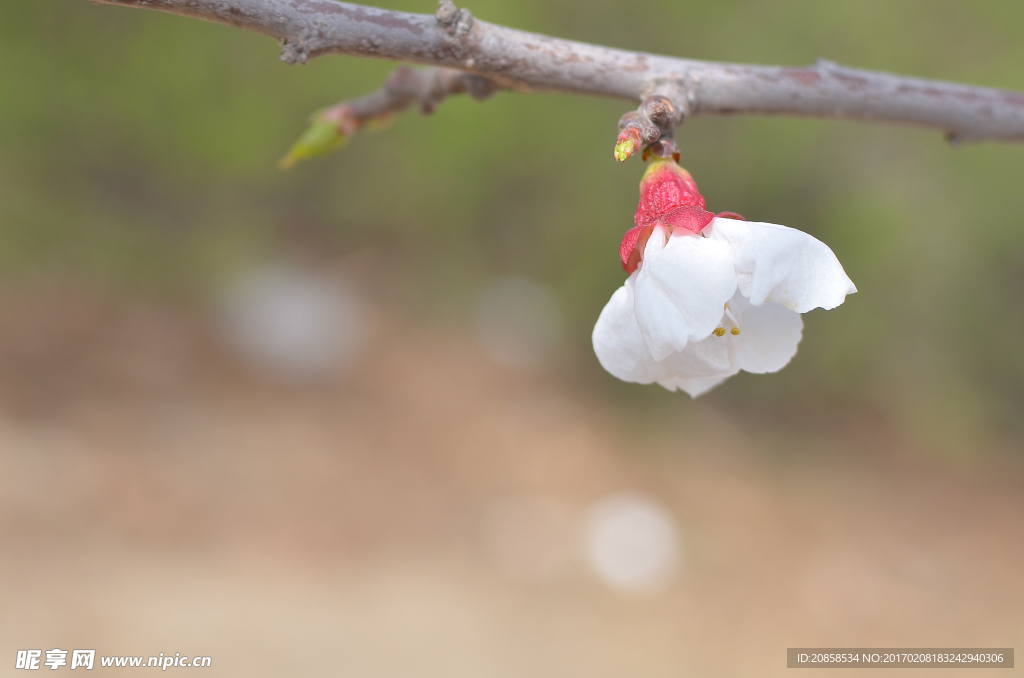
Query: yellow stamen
(719,331)
(735,326)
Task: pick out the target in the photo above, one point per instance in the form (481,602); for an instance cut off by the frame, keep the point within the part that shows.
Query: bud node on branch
(454,20)
(655,120)
(294,52)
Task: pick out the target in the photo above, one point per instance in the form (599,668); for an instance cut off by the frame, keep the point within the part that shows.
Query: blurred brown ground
(155,498)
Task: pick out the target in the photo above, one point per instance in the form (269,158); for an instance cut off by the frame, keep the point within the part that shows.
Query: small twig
(407,86)
(332,127)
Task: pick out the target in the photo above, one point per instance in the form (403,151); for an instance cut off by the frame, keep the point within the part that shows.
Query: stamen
(730,316)
(719,331)
(735,323)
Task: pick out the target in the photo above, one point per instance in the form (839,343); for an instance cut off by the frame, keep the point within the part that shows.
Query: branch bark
(525,61)
(405,87)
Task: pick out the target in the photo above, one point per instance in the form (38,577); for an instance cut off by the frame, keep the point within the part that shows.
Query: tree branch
(527,61)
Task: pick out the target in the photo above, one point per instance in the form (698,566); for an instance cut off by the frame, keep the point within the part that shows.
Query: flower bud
(627,144)
(328,130)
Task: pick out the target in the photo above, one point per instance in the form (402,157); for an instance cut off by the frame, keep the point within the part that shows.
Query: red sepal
(632,246)
(731,215)
(686,217)
(691,218)
(669,198)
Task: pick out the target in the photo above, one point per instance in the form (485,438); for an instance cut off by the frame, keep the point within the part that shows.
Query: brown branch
(528,61)
(406,86)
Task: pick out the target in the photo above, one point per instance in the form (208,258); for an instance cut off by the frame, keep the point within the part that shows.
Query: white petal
(768,336)
(681,289)
(617,341)
(784,265)
(705,358)
(697,386)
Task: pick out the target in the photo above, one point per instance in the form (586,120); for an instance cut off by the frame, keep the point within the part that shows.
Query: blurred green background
(138,155)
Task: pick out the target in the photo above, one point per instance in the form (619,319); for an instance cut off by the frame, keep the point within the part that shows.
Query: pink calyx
(668,198)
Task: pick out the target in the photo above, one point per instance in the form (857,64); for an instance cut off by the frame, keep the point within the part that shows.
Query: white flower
(700,307)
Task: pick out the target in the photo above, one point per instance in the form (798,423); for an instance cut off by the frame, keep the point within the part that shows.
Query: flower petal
(619,346)
(708,357)
(768,337)
(681,289)
(697,386)
(784,265)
